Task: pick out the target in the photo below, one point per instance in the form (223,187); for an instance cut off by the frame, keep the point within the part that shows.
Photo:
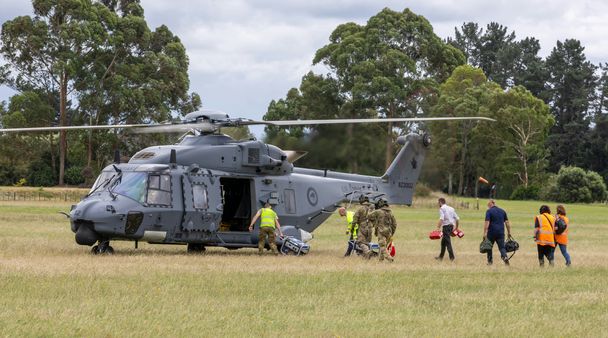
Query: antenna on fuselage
(173,158)
(117,156)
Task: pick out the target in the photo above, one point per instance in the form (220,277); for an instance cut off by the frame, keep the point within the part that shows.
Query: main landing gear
(103,248)
(196,248)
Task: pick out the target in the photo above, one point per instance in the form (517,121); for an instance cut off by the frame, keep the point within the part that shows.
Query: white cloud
(245,53)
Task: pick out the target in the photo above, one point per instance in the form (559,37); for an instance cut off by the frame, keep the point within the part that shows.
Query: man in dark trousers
(494,230)
(448,221)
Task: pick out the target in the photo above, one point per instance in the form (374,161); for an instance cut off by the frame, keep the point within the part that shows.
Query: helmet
(381,202)
(363,199)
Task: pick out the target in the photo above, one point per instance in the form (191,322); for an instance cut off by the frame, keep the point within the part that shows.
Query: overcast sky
(243,53)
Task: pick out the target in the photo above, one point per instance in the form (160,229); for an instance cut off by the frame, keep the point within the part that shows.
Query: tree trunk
(525,162)
(350,155)
(52,150)
(389,147)
(90,149)
(463,159)
(450,182)
(63,142)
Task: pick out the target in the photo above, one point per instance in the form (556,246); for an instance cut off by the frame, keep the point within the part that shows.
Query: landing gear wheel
(196,248)
(103,248)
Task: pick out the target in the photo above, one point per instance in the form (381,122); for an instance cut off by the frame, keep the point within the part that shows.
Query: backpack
(560,225)
(485,246)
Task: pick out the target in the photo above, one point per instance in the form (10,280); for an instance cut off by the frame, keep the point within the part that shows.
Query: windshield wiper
(117,181)
(102,184)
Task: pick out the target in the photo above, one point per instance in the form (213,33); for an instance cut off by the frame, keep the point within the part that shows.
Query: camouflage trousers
(267,231)
(383,240)
(363,240)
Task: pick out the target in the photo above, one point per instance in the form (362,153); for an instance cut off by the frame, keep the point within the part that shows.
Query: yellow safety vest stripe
(349,224)
(267,218)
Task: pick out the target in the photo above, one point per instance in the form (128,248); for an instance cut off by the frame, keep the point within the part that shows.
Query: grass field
(50,286)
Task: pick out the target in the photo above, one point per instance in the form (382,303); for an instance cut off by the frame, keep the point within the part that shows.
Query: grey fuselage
(209,190)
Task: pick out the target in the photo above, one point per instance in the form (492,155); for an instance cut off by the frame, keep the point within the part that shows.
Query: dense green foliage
(550,112)
(389,67)
(88,62)
(574,184)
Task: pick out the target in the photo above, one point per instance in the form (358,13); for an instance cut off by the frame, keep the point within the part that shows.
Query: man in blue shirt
(494,230)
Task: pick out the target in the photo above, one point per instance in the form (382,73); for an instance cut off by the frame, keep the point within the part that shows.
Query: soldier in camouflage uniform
(365,227)
(384,227)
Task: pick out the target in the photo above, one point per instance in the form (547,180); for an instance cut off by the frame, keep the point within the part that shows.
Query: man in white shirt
(448,222)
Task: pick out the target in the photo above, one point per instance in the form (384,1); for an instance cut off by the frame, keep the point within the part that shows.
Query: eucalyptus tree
(389,67)
(97,62)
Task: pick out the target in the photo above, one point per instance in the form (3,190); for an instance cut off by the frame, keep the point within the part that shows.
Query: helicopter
(203,191)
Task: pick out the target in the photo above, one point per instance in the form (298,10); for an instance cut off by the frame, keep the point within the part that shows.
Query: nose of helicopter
(95,219)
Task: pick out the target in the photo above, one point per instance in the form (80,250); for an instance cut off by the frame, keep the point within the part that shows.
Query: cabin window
(290,201)
(201,200)
(159,190)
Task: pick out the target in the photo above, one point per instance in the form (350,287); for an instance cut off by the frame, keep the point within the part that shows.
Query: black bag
(511,245)
(560,225)
(485,246)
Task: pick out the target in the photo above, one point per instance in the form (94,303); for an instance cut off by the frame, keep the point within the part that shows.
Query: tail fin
(401,177)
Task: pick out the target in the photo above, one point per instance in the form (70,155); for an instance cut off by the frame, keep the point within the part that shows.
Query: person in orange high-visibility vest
(562,239)
(544,235)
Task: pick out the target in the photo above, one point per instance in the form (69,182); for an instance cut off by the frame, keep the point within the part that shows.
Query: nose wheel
(103,248)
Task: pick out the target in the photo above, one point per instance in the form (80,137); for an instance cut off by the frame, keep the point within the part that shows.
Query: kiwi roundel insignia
(312,196)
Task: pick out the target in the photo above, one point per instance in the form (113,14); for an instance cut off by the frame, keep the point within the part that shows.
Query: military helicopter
(204,190)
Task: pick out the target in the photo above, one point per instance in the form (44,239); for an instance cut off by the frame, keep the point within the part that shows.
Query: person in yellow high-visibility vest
(269,223)
(351,229)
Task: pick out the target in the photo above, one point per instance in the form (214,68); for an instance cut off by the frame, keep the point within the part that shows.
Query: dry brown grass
(49,286)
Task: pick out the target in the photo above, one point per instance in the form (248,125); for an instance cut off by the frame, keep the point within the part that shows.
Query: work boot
(506,261)
(439,258)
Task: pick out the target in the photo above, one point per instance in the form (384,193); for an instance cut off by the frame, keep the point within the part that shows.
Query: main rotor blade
(175,128)
(114,126)
(343,121)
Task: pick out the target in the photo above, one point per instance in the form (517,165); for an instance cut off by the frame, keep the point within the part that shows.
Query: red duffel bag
(435,234)
(457,232)
(391,249)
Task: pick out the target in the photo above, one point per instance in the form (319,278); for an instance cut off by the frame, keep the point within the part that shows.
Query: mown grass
(50,286)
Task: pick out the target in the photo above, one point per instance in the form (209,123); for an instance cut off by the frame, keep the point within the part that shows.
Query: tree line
(92,62)
(551,112)
(85,62)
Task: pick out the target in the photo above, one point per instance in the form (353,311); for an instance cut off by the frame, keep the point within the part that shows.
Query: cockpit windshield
(132,185)
(145,188)
(102,181)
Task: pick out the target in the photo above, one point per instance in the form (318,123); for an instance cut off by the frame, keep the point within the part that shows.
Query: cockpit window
(102,181)
(132,185)
(159,190)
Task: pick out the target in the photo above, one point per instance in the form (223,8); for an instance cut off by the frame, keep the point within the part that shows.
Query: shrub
(577,185)
(530,192)
(549,191)
(8,175)
(22,181)
(597,185)
(73,176)
(422,190)
(40,174)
